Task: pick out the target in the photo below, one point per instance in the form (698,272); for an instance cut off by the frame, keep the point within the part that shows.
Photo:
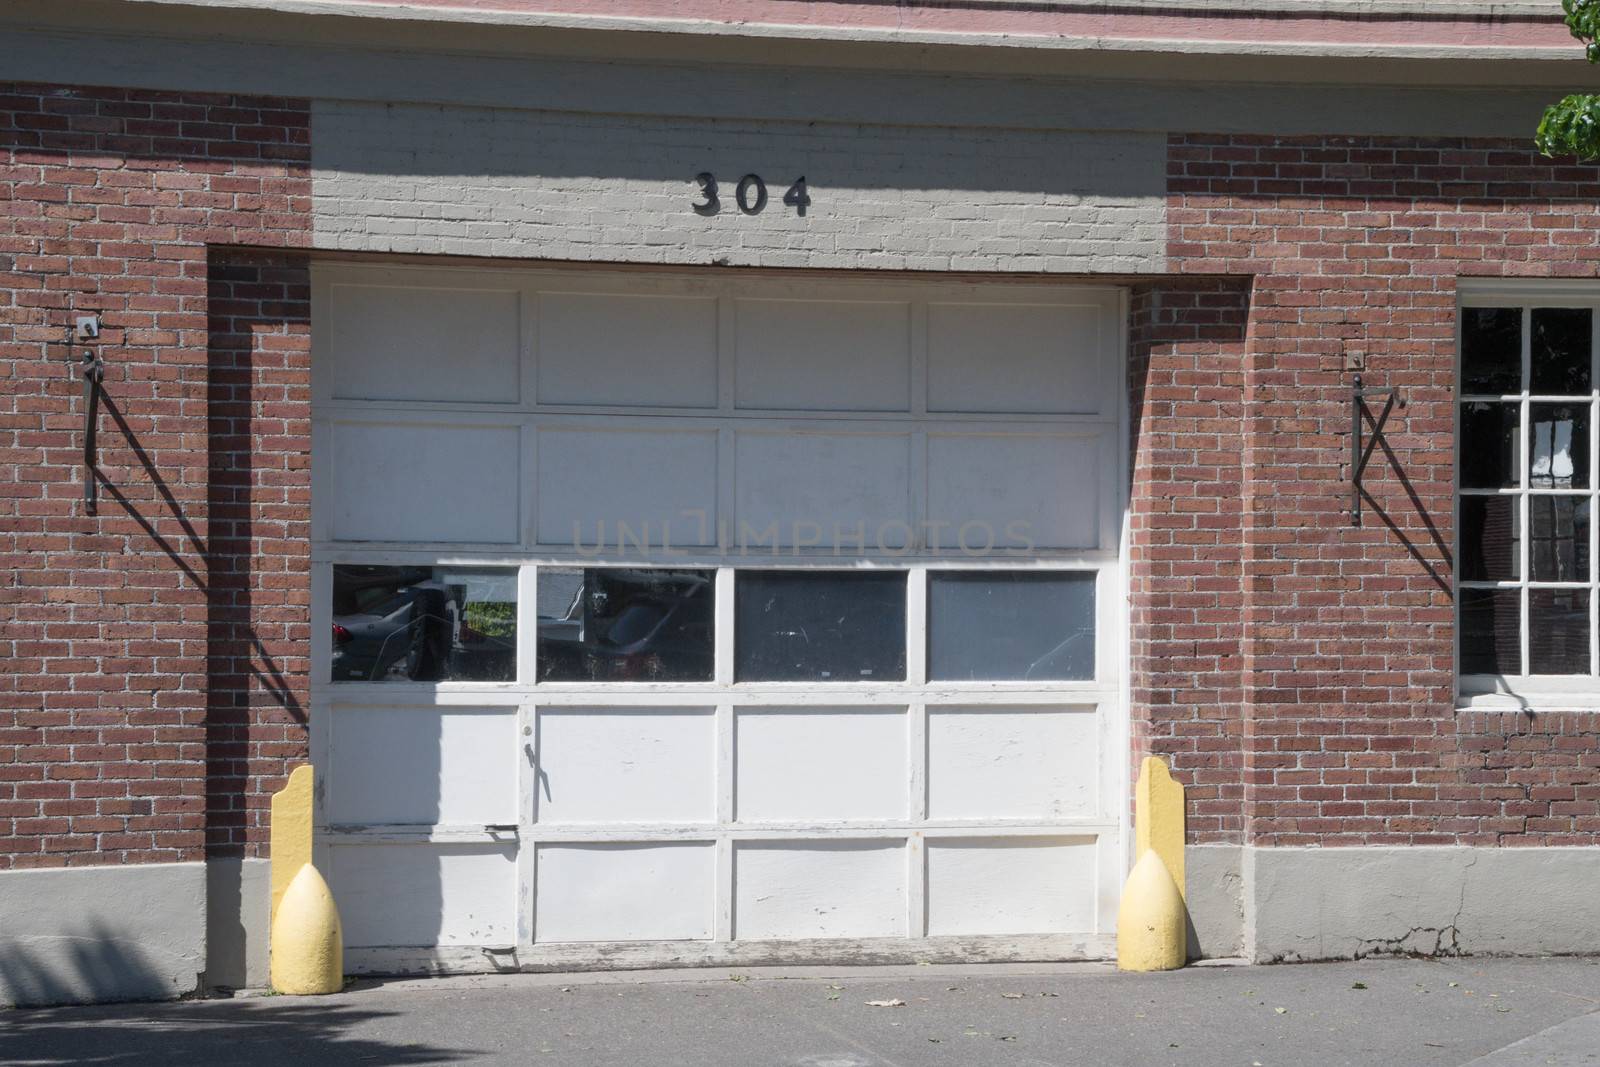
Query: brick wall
(119,626)
(259,506)
(1296,670)
(1186,405)
(1345,635)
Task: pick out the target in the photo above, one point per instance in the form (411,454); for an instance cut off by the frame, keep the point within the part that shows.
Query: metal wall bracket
(1361,452)
(92,369)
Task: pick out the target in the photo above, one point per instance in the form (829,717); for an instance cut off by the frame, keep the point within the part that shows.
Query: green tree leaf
(1583,19)
(1572,125)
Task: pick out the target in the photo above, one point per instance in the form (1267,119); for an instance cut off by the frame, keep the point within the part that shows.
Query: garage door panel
(781,615)
(823,355)
(590,481)
(1013,763)
(627,350)
(415,481)
(788,890)
(1044,359)
(1011,885)
(610,766)
(625,892)
(989,491)
(449,765)
(425,344)
(425,893)
(821,764)
(808,485)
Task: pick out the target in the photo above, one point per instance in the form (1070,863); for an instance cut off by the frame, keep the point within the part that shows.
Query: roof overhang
(1521,43)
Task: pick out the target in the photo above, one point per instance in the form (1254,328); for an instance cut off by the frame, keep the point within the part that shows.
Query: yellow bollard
(291,831)
(1153,922)
(1158,818)
(1150,923)
(307,943)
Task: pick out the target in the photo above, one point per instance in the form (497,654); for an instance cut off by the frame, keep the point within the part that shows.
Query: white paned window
(1526,580)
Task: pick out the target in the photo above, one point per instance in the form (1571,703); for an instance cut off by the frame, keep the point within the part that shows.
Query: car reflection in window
(621,624)
(424,624)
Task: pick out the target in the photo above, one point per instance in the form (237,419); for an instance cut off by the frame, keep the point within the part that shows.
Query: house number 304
(750,194)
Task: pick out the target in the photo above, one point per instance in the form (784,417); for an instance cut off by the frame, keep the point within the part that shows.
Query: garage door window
(424,624)
(1010,626)
(822,626)
(604,624)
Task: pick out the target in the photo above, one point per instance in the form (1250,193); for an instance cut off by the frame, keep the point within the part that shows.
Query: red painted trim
(1026,19)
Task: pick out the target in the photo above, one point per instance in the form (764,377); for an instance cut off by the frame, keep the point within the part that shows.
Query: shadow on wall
(93,965)
(238,1033)
(255,715)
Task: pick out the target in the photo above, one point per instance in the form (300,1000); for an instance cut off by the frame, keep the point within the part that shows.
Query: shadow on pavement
(265,1031)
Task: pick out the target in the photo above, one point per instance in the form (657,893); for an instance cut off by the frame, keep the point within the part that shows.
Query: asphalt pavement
(1482,1012)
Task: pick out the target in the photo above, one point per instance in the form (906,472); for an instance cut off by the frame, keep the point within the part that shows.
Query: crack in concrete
(1397,946)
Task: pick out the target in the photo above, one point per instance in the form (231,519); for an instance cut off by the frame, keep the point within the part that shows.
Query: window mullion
(527,617)
(1525,518)
(1594,491)
(722,628)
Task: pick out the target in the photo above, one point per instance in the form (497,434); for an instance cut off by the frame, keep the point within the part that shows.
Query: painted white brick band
(84,934)
(1298,904)
(552,185)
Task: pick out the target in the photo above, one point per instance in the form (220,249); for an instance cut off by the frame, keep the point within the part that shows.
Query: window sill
(1528,694)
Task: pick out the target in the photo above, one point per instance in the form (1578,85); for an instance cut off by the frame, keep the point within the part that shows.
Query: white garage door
(716,618)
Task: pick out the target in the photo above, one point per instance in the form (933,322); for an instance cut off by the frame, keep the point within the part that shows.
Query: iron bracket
(93,370)
(1360,453)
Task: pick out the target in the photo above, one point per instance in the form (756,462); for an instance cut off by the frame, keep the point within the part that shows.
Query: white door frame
(524,698)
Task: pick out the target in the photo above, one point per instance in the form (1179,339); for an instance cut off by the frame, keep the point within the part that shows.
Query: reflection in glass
(1490,443)
(615,624)
(1490,631)
(1491,351)
(1561,360)
(1559,542)
(1558,631)
(830,626)
(1490,551)
(1559,447)
(424,624)
(1003,626)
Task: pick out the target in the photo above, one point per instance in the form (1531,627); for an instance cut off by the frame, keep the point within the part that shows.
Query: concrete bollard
(1153,921)
(1158,816)
(307,943)
(1150,923)
(307,940)
(291,830)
